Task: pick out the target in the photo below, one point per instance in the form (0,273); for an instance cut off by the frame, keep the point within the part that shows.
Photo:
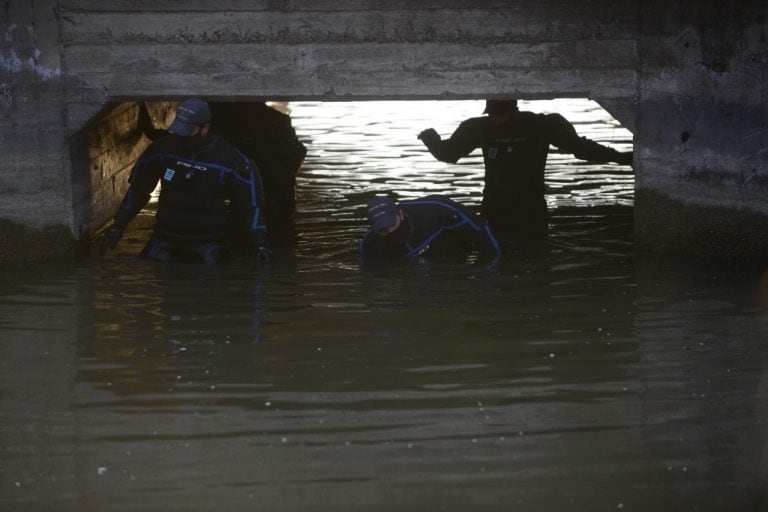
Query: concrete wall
(701,138)
(36,216)
(103,154)
(670,67)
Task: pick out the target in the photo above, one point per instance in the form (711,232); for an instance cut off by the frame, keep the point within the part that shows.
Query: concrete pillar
(700,145)
(36,218)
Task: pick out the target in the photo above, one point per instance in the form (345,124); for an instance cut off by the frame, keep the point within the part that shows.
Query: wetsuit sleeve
(485,240)
(364,248)
(143,180)
(565,138)
(247,195)
(477,232)
(460,144)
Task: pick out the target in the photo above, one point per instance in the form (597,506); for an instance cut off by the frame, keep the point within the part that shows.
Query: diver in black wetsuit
(515,145)
(266,136)
(200,173)
(430,227)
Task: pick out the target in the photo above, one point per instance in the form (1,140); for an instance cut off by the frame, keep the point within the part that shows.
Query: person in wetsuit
(430,227)
(266,136)
(202,176)
(515,146)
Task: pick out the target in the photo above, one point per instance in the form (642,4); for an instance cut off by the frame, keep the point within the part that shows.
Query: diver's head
(384,216)
(193,118)
(500,107)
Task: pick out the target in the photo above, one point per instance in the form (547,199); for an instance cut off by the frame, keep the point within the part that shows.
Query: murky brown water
(572,376)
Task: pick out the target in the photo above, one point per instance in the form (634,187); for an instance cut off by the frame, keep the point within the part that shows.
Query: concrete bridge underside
(687,78)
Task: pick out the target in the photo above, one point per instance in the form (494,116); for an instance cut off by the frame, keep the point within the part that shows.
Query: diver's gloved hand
(261,249)
(263,255)
(429,137)
(110,239)
(625,158)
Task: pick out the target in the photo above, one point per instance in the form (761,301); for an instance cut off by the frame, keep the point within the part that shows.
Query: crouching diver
(201,177)
(430,227)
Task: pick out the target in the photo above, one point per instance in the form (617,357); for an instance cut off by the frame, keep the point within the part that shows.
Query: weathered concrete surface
(36,216)
(665,69)
(102,156)
(701,142)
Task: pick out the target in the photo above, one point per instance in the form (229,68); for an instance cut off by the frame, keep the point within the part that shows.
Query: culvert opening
(358,149)
(365,148)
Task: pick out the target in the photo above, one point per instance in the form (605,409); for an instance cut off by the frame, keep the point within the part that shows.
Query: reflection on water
(573,375)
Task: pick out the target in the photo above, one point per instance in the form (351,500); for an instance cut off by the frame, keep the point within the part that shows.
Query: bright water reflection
(573,376)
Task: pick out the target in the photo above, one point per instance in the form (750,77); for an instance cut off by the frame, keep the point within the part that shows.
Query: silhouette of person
(515,146)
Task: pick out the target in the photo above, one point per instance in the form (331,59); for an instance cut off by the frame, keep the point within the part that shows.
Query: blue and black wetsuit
(433,227)
(201,181)
(267,137)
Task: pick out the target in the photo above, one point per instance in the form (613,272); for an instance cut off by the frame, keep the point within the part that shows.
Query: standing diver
(515,146)
(200,173)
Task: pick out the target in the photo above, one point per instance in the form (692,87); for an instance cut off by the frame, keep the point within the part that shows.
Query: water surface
(573,375)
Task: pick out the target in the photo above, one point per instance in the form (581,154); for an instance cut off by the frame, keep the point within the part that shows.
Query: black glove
(110,239)
(263,255)
(625,158)
(429,137)
(261,250)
